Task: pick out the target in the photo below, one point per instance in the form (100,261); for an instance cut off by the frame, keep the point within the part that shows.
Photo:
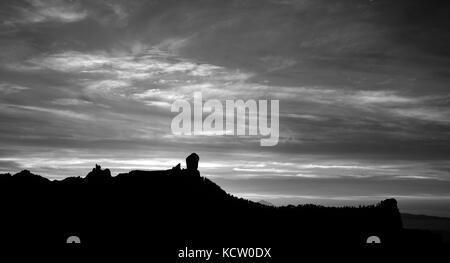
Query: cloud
(173,44)
(425,114)
(61,113)
(263,170)
(357,198)
(161,104)
(40,11)
(8,88)
(71,102)
(158,94)
(105,88)
(70,61)
(382,97)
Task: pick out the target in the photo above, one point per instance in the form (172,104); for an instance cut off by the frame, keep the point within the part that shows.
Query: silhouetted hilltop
(175,207)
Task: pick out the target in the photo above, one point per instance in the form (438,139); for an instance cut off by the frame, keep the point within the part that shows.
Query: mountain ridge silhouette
(169,209)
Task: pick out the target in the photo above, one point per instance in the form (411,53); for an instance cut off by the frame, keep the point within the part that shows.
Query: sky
(363,89)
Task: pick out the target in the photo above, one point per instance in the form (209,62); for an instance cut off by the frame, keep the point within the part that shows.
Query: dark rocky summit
(192,162)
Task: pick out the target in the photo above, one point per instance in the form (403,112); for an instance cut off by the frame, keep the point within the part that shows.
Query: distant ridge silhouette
(169,209)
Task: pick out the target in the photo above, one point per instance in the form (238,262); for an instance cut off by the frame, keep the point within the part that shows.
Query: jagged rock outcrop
(98,174)
(192,162)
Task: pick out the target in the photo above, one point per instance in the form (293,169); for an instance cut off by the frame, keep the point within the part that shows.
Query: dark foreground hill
(438,225)
(169,210)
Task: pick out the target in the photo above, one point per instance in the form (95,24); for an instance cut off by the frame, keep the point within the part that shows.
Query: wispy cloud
(8,88)
(57,112)
(51,11)
(71,102)
(429,114)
